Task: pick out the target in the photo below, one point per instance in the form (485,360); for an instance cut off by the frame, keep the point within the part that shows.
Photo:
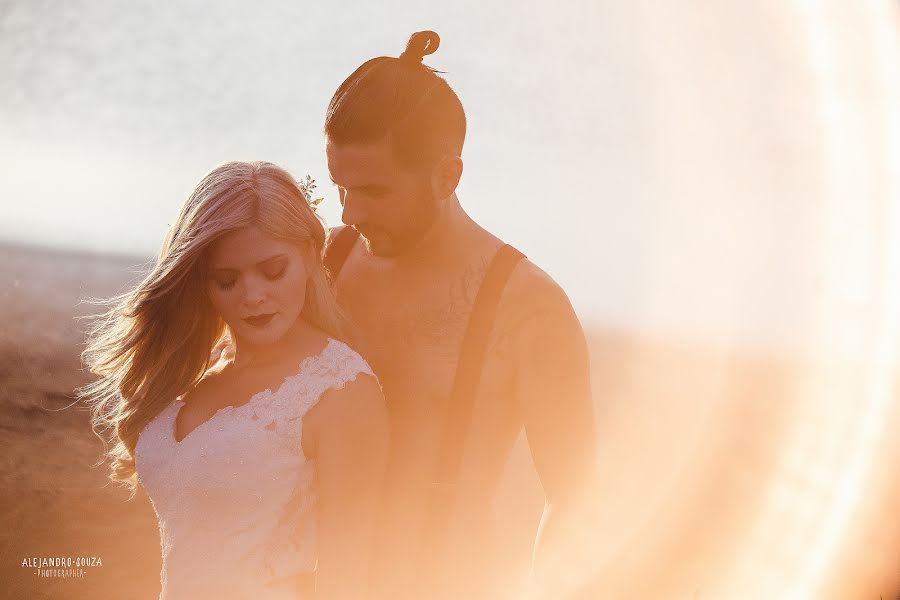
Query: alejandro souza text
(66,562)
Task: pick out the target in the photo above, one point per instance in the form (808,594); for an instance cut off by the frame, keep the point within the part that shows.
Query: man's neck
(444,243)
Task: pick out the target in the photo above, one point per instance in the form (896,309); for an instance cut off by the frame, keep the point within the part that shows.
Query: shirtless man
(394,133)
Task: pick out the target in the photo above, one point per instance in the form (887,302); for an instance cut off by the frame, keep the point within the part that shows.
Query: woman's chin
(262,335)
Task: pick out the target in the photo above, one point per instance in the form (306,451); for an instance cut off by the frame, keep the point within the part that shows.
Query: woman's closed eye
(275,271)
(272,269)
(225,284)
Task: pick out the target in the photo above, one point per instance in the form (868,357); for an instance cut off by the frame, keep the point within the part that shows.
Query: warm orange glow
(716,186)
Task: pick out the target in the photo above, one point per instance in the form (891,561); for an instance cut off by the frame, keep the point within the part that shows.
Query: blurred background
(715,184)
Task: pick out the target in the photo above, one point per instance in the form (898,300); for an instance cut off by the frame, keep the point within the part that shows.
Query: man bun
(420,44)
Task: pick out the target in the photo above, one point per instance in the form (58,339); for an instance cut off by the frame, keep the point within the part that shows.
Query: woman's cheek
(295,285)
(220,302)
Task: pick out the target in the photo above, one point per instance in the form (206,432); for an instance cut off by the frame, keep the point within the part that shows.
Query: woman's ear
(446,175)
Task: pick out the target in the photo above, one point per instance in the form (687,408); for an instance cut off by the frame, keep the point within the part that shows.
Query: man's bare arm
(553,391)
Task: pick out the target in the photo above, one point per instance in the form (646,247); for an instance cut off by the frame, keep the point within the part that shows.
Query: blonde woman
(265,465)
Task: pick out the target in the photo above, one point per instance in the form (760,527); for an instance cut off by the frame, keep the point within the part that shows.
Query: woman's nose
(254,293)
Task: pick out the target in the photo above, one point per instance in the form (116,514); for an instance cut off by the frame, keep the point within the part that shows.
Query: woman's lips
(259,320)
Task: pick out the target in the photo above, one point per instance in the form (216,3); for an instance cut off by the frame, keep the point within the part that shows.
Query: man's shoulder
(339,242)
(338,235)
(536,317)
(531,288)
(332,232)
(527,279)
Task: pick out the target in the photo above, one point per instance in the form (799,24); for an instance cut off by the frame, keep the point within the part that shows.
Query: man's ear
(445,176)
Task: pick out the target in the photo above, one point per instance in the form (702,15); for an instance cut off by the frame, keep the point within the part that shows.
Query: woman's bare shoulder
(353,401)
(357,399)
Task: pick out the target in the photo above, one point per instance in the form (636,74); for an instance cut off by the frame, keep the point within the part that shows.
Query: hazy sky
(693,170)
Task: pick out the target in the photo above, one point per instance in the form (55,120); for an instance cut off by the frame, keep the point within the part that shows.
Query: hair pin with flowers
(308,186)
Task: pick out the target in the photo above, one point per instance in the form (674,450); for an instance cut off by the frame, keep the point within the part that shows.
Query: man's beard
(381,242)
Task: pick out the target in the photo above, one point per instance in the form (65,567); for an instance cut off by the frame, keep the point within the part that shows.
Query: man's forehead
(371,161)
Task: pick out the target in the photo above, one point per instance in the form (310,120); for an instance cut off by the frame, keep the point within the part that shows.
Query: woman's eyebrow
(259,264)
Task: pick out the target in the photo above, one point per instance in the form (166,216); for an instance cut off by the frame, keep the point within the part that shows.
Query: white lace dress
(236,497)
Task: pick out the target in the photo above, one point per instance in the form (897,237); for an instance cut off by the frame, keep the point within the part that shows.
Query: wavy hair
(156,341)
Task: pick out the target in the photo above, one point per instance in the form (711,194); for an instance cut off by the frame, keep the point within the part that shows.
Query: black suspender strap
(462,401)
(471,357)
(337,249)
(462,395)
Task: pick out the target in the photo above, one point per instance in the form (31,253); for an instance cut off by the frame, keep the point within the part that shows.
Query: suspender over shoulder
(462,396)
(337,249)
(462,403)
(471,357)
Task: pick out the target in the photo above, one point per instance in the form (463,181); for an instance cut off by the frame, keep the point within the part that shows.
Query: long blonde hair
(155,342)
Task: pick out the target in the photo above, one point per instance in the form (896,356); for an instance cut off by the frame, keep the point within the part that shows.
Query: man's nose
(353,211)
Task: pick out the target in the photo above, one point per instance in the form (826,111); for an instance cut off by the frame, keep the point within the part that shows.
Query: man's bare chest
(417,369)
(413,338)
(412,342)
(413,323)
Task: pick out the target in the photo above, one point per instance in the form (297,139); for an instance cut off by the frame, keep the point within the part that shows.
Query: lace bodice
(236,497)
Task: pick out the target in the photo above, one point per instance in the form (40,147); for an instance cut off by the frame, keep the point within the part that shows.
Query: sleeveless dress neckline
(179,401)
(236,499)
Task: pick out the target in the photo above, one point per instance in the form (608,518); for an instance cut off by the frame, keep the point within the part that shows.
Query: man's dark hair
(403,98)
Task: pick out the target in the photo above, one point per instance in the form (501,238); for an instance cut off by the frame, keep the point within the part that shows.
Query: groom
(470,340)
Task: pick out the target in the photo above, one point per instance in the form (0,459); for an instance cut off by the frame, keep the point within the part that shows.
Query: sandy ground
(690,440)
(54,502)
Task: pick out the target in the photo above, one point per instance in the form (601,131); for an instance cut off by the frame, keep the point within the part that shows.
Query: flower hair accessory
(308,186)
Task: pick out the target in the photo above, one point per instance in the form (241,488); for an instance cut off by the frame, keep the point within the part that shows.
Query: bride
(265,465)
